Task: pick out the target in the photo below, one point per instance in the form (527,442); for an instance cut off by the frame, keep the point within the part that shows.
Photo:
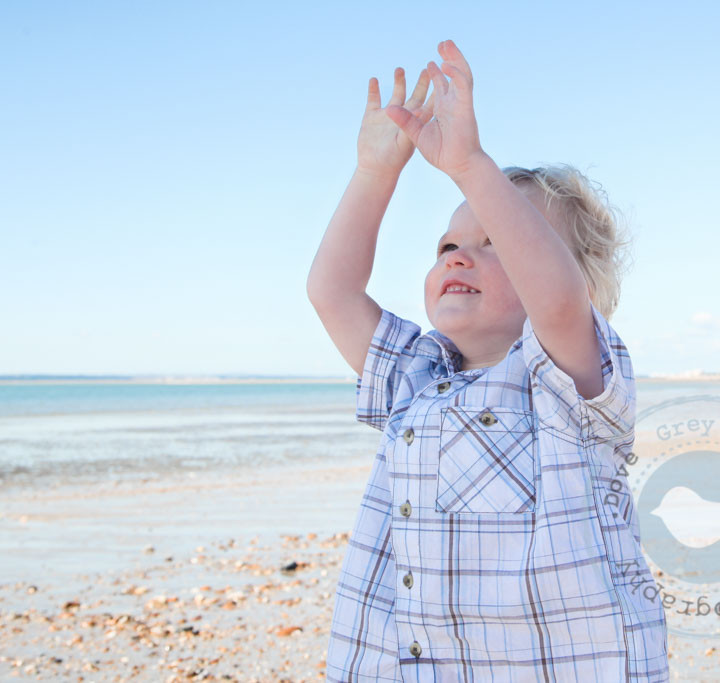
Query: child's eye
(442,249)
(450,244)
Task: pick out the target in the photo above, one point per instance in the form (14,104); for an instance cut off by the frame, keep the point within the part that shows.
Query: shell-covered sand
(224,612)
(182,578)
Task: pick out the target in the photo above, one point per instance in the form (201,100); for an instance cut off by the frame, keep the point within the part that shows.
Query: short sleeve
(609,415)
(387,358)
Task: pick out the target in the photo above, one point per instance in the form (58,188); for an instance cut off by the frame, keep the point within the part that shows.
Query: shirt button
(415,648)
(409,435)
(487,418)
(442,388)
(408,580)
(406,509)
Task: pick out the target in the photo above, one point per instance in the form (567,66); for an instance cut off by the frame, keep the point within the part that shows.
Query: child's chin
(453,319)
(457,308)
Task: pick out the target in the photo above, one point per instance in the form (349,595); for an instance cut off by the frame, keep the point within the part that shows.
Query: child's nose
(458,256)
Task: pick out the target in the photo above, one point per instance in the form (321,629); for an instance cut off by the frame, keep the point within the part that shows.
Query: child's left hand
(450,139)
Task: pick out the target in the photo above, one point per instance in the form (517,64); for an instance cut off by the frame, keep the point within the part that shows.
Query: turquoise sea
(74,398)
(63,431)
(57,433)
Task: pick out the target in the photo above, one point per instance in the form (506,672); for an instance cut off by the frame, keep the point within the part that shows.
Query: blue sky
(168,169)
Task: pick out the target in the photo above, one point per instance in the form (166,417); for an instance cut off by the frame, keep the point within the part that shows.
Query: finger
(427,111)
(457,77)
(373,99)
(406,121)
(438,79)
(420,92)
(398,94)
(430,104)
(451,53)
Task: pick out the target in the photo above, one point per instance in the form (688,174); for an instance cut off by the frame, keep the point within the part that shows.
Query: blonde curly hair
(598,230)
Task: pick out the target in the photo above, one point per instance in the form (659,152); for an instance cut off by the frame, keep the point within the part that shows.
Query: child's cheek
(430,279)
(504,290)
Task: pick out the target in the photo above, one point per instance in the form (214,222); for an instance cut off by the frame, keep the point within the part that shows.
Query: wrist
(469,172)
(377,176)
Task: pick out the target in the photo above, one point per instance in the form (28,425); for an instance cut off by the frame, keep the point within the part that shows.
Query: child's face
(484,325)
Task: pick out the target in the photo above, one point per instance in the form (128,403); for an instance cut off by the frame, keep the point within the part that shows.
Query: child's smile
(454,286)
(469,297)
(468,276)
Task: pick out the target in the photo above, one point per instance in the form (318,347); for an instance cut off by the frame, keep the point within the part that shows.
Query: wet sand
(176,578)
(181,578)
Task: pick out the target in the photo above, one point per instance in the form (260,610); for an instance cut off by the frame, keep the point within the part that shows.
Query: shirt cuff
(385,363)
(611,414)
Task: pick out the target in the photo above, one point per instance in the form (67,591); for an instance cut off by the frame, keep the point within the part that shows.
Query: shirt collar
(442,349)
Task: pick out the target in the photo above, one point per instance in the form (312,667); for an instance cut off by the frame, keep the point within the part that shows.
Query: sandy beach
(145,582)
(131,550)
(173,595)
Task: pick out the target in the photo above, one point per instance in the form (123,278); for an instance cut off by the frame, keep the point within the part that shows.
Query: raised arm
(343,264)
(545,275)
(543,271)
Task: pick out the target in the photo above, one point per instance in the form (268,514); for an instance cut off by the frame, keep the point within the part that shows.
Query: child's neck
(467,365)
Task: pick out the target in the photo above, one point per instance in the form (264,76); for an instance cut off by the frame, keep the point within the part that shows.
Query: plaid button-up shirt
(485,548)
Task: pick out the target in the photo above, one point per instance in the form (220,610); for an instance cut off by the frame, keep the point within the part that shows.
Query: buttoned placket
(441,386)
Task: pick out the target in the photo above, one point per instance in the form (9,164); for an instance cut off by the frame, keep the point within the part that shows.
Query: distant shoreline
(183,380)
(219,381)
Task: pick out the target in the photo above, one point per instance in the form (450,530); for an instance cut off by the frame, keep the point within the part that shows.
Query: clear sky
(168,169)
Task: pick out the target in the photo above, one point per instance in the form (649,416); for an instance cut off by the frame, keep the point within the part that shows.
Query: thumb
(405,120)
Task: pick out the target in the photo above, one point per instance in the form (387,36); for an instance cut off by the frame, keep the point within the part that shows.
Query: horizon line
(174,377)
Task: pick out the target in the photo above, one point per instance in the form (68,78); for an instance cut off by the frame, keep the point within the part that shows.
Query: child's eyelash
(450,244)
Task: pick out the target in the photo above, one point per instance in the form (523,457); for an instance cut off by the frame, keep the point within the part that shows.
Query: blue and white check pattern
(483,549)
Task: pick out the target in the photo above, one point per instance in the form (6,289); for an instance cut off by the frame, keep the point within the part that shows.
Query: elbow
(567,299)
(317,294)
(310,287)
(575,304)
(313,290)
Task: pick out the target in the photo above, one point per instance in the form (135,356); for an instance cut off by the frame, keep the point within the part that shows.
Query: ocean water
(71,398)
(62,432)
(56,433)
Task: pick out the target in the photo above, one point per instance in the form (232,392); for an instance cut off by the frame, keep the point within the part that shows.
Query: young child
(487,546)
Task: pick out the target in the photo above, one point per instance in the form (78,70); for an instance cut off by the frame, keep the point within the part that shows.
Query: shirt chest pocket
(487,460)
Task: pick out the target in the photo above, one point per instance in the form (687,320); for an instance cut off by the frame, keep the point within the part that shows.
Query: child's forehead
(463,219)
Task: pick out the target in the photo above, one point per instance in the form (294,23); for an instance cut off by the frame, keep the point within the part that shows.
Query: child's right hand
(383,147)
